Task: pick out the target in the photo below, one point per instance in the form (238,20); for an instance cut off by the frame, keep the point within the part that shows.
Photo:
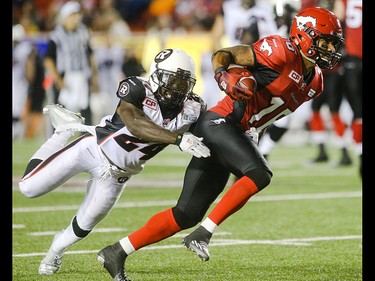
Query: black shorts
(232,151)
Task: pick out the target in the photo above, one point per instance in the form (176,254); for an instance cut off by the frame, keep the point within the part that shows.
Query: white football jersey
(129,152)
(237,18)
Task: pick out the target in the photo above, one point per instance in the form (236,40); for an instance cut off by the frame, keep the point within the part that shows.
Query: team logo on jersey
(311,93)
(150,103)
(186,117)
(122,179)
(163,55)
(123,89)
(301,21)
(294,98)
(266,47)
(295,76)
(218,121)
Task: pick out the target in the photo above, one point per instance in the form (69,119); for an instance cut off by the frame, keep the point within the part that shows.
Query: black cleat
(345,158)
(112,259)
(322,156)
(197,242)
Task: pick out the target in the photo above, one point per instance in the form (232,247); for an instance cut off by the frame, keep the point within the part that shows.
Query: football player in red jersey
(352,62)
(288,73)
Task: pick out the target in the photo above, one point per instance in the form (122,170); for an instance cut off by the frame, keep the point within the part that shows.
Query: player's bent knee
(27,190)
(185,221)
(261,177)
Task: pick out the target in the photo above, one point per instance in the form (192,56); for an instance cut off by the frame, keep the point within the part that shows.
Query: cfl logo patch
(295,76)
(150,103)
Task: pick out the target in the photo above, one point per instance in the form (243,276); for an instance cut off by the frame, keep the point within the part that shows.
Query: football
(247,81)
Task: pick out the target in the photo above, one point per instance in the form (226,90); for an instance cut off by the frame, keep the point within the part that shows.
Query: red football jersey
(353,27)
(281,87)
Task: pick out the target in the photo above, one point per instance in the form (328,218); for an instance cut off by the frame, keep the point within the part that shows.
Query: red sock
(316,122)
(338,125)
(160,226)
(357,130)
(233,200)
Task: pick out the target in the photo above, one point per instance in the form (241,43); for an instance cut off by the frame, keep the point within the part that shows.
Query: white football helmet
(172,77)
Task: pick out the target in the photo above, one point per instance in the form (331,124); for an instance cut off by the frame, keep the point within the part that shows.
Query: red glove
(229,84)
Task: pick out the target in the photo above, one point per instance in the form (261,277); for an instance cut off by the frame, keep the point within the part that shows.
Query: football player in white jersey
(151,114)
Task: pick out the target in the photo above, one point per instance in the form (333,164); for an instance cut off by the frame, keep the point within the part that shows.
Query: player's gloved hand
(253,134)
(229,84)
(189,143)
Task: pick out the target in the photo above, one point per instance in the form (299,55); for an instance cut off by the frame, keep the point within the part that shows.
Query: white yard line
(223,242)
(256,198)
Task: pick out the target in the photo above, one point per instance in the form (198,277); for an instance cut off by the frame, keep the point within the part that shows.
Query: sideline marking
(223,242)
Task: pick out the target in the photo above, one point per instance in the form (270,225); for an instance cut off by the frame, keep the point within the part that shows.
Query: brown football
(247,80)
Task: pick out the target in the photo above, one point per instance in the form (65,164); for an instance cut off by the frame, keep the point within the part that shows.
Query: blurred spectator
(284,19)
(131,65)
(239,15)
(26,14)
(106,18)
(134,12)
(70,63)
(21,51)
(36,95)
(109,58)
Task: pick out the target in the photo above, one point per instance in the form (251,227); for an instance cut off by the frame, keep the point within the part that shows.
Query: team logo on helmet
(302,20)
(163,55)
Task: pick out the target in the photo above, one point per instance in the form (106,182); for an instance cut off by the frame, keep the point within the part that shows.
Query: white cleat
(61,116)
(52,261)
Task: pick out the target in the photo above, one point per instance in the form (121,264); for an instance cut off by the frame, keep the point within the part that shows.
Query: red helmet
(312,24)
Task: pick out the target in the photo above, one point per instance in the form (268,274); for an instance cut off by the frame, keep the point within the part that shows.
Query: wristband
(178,140)
(220,69)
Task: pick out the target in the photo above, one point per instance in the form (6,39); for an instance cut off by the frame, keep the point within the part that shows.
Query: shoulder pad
(130,85)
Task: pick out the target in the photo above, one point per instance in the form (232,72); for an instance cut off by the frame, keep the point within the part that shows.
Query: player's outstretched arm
(142,127)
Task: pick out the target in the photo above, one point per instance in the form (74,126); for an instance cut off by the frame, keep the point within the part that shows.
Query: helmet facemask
(322,57)
(174,87)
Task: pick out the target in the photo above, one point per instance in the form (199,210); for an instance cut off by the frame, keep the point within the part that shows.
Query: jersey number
(276,102)
(129,143)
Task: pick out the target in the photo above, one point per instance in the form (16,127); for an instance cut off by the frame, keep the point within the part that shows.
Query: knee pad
(261,177)
(77,230)
(183,220)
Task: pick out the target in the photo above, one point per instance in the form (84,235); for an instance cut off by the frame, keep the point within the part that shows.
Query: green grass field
(307,225)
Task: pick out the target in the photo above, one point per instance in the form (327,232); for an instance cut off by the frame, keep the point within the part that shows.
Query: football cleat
(112,259)
(60,116)
(52,261)
(197,242)
(345,158)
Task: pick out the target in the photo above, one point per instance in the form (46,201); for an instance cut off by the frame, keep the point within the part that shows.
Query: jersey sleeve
(132,90)
(270,52)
